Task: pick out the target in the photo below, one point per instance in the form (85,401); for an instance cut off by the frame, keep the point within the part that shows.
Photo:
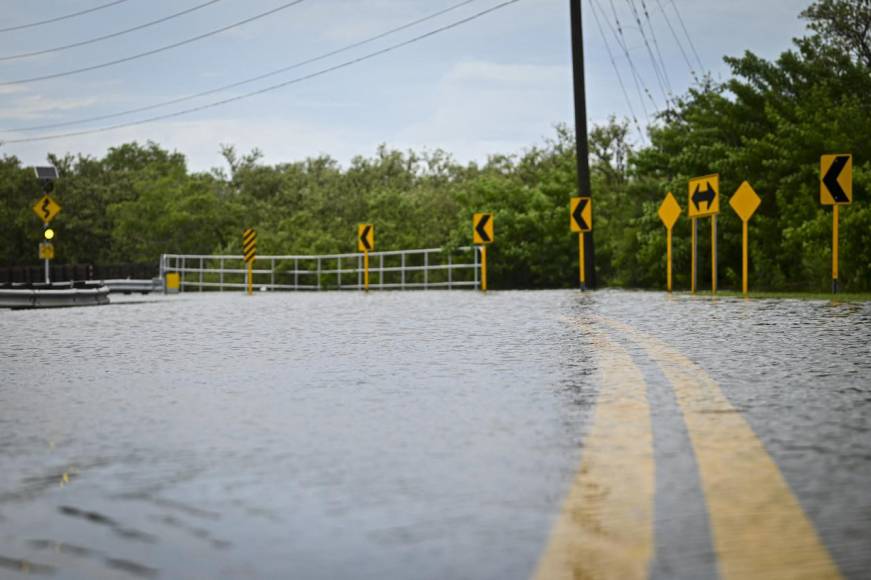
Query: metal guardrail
(128,285)
(396,270)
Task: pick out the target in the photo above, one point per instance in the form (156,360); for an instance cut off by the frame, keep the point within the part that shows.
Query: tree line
(768,123)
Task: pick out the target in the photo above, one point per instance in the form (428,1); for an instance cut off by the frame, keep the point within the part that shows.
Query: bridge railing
(395,270)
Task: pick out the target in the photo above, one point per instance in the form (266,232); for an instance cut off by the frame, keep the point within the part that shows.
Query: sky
(496,84)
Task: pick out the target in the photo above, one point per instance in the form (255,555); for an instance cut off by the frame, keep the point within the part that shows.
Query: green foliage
(768,124)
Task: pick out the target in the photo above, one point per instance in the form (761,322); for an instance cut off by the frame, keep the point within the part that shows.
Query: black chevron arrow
(364,237)
(707,196)
(830,180)
(480,227)
(578,214)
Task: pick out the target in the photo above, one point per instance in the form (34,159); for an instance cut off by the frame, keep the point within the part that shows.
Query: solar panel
(48,172)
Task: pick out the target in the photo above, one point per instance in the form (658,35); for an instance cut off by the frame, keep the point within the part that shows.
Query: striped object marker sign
(249,250)
(249,244)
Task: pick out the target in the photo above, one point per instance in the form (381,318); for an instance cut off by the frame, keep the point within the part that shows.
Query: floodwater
(392,435)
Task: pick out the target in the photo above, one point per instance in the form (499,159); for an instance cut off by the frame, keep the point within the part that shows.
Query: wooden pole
(366,271)
(581,260)
(581,136)
(250,277)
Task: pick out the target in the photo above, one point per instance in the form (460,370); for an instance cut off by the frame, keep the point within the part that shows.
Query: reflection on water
(419,434)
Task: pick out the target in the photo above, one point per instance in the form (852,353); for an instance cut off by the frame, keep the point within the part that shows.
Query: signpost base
(582,261)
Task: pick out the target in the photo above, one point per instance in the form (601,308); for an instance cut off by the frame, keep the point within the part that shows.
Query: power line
(656,71)
(617,72)
(687,34)
(108,36)
(656,46)
(621,42)
(270,88)
(154,51)
(249,80)
(59,18)
(677,41)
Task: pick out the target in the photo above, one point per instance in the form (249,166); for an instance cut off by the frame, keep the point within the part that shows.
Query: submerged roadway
(437,435)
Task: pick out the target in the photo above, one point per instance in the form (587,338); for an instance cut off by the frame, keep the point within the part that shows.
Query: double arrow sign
(704,196)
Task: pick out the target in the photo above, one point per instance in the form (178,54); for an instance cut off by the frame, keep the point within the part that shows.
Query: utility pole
(583,152)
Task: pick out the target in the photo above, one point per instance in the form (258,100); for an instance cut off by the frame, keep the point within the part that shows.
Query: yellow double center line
(605,529)
(759,529)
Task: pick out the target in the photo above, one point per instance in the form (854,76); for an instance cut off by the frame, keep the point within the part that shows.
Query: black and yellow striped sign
(249,244)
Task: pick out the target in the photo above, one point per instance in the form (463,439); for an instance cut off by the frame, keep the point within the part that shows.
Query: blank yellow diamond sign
(669,211)
(745,201)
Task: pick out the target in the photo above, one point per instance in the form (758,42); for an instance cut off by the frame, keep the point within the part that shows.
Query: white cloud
(482,108)
(40,107)
(280,140)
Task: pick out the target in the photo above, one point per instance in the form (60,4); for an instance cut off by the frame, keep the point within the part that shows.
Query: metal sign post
(669,211)
(704,201)
(365,244)
(482,234)
(581,221)
(745,201)
(836,189)
(714,255)
(695,256)
(249,249)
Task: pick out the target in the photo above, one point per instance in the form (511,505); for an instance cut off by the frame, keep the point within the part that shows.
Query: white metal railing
(395,270)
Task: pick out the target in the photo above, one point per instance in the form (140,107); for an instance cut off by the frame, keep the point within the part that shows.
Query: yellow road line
(605,529)
(759,528)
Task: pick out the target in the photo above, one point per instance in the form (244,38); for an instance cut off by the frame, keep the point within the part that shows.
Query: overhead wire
(108,36)
(683,52)
(688,37)
(277,86)
(621,42)
(617,72)
(656,46)
(153,51)
(275,72)
(653,61)
(64,17)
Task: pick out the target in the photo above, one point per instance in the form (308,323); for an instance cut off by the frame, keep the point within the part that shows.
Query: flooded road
(431,435)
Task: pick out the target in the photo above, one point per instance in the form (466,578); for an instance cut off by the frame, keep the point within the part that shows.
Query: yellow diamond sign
(669,211)
(745,201)
(46,208)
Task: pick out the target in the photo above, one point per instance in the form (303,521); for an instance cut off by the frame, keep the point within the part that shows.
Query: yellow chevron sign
(249,245)
(365,238)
